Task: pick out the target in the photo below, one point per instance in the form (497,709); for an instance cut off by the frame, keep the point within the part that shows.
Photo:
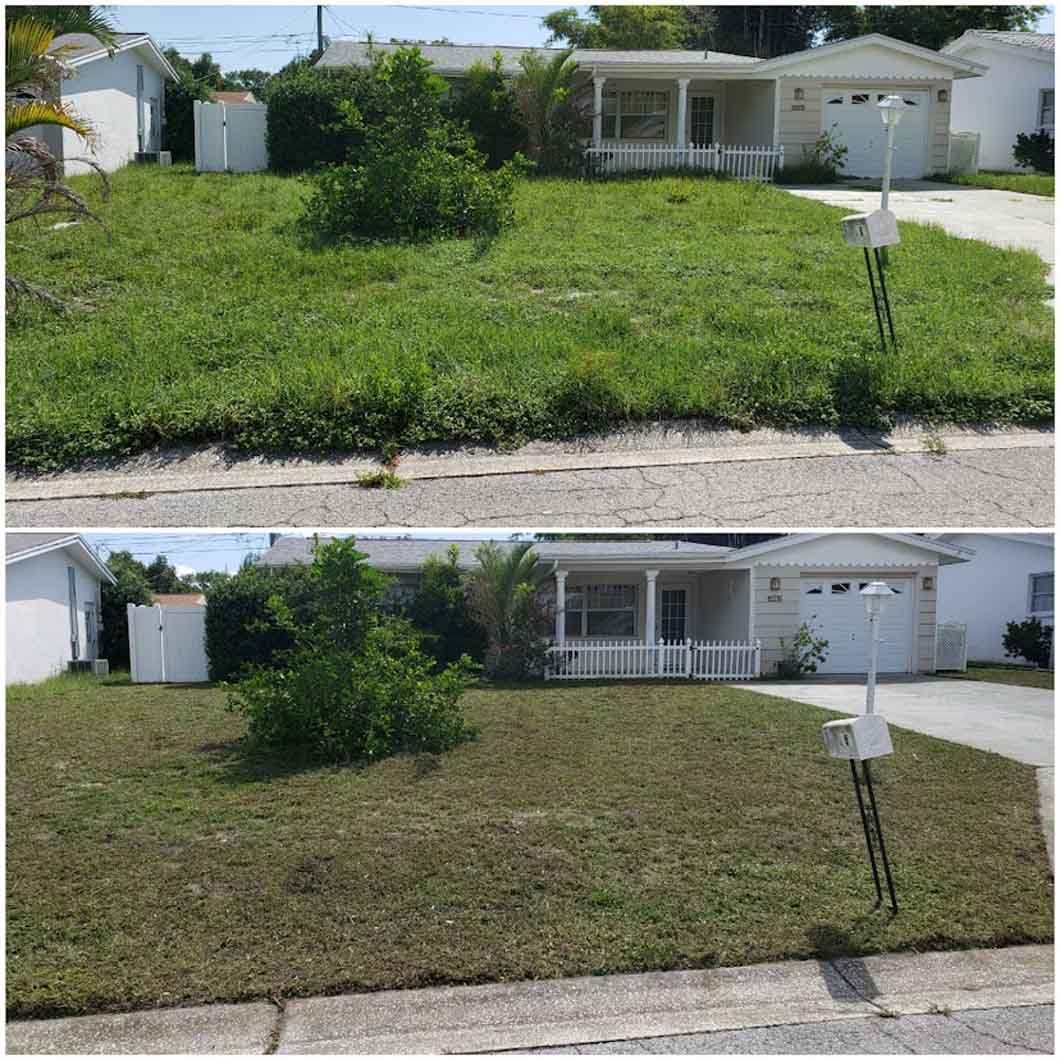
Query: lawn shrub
(1035,151)
(486,105)
(180,116)
(1028,640)
(439,610)
(820,163)
(131,587)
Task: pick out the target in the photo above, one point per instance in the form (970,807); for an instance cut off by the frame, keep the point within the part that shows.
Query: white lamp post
(876,596)
(891,108)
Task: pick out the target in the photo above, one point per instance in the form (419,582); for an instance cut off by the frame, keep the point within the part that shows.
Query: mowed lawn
(1025,183)
(204,318)
(591,829)
(1005,675)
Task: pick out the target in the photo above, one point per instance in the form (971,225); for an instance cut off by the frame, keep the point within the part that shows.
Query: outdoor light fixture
(943,95)
(774,584)
(929,584)
(863,738)
(799,93)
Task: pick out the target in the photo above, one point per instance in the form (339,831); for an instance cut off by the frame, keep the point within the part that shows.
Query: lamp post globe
(891,108)
(876,596)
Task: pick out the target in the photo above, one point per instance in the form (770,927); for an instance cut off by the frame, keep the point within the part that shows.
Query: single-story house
(1016,94)
(121,93)
(54,603)
(745,115)
(179,599)
(617,604)
(230,96)
(1008,579)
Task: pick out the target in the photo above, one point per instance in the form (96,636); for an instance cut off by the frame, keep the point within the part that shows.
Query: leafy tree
(758,30)
(555,125)
(132,587)
(1035,151)
(929,25)
(163,578)
(620,27)
(207,581)
(486,105)
(1028,640)
(207,72)
(439,609)
(66,18)
(249,80)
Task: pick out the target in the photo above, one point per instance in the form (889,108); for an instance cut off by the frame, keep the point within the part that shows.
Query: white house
(121,93)
(1009,579)
(630,608)
(1015,95)
(743,115)
(54,586)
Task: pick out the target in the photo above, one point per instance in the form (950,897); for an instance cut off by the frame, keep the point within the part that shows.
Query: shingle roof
(233,97)
(178,599)
(77,44)
(587,56)
(445,58)
(17,543)
(1042,41)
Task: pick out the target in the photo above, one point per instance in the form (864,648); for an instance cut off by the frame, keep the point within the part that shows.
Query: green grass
(590,829)
(1005,675)
(1027,183)
(207,320)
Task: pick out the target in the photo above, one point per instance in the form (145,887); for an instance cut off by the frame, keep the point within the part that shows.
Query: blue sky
(267,37)
(194,550)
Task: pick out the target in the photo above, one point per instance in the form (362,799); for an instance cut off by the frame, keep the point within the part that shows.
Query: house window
(859,97)
(702,120)
(838,588)
(1041,594)
(834,101)
(601,611)
(1045,109)
(638,115)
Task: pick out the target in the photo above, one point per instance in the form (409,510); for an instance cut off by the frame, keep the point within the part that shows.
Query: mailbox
(858,739)
(871,230)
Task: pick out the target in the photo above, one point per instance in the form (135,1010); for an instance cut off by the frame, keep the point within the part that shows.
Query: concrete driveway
(1004,218)
(1007,719)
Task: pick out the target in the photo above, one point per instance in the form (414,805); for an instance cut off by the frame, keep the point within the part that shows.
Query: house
(54,603)
(663,108)
(233,97)
(1015,94)
(630,608)
(1009,579)
(179,599)
(120,92)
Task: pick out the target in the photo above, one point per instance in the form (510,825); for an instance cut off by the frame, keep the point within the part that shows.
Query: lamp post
(875,595)
(891,108)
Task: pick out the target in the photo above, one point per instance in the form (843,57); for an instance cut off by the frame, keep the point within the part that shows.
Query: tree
(544,97)
(66,18)
(1028,640)
(132,587)
(249,80)
(439,609)
(929,25)
(163,578)
(757,30)
(504,597)
(619,27)
(207,72)
(486,105)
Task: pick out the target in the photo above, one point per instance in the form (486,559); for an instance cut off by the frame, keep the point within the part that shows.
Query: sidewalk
(842,996)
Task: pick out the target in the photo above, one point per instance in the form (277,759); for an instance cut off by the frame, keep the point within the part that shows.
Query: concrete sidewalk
(631,1009)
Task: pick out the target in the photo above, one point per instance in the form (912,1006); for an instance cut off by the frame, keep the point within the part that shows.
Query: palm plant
(503,598)
(32,68)
(544,97)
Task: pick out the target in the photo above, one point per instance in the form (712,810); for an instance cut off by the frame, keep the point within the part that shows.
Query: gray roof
(17,543)
(78,44)
(397,554)
(1042,41)
(587,56)
(446,58)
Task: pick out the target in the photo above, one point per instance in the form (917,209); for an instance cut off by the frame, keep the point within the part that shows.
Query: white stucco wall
(104,93)
(1001,103)
(991,589)
(749,112)
(38,614)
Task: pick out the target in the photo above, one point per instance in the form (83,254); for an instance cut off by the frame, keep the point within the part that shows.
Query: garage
(854,118)
(834,609)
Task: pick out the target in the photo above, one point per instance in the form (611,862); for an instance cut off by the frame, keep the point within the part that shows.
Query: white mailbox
(857,738)
(876,229)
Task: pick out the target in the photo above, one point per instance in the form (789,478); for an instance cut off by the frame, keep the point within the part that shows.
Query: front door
(673,615)
(702,125)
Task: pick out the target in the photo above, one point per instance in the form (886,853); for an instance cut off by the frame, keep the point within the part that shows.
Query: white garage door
(857,124)
(834,609)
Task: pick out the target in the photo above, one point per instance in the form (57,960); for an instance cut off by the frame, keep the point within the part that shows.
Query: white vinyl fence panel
(167,644)
(951,647)
(230,137)
(744,162)
(718,660)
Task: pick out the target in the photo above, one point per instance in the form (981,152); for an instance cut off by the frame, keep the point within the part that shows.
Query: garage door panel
(835,610)
(854,119)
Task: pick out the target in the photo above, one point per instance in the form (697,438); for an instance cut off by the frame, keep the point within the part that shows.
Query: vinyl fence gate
(167,644)
(230,137)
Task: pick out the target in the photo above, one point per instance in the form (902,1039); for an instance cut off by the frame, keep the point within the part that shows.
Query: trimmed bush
(1035,151)
(1028,640)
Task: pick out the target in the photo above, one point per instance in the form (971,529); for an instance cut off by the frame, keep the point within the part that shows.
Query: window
(601,611)
(838,588)
(1041,594)
(835,100)
(1046,104)
(702,120)
(639,115)
(859,97)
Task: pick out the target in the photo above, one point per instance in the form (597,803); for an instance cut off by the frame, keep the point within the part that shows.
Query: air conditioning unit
(99,667)
(153,158)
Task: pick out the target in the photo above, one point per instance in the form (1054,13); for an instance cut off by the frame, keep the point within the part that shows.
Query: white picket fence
(743,162)
(167,644)
(951,647)
(230,137)
(706,660)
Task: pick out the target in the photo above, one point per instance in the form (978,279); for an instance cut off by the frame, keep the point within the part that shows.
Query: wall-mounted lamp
(943,95)
(929,584)
(799,93)
(774,584)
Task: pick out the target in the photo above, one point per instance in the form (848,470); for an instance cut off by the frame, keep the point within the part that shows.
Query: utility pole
(320,29)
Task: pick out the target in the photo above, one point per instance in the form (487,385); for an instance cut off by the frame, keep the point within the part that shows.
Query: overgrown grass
(206,320)
(1006,675)
(591,829)
(1027,183)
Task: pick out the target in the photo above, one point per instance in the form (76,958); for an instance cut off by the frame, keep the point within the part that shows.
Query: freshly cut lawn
(207,319)
(591,829)
(1027,183)
(1006,675)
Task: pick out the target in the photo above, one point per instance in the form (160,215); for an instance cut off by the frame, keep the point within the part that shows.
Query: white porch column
(598,110)
(682,111)
(649,606)
(561,607)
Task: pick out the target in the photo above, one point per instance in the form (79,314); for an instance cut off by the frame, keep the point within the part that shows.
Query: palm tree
(32,68)
(544,97)
(502,596)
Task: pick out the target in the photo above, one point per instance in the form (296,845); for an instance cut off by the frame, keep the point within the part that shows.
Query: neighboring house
(651,107)
(638,594)
(54,586)
(232,97)
(179,599)
(1010,579)
(120,93)
(1015,95)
